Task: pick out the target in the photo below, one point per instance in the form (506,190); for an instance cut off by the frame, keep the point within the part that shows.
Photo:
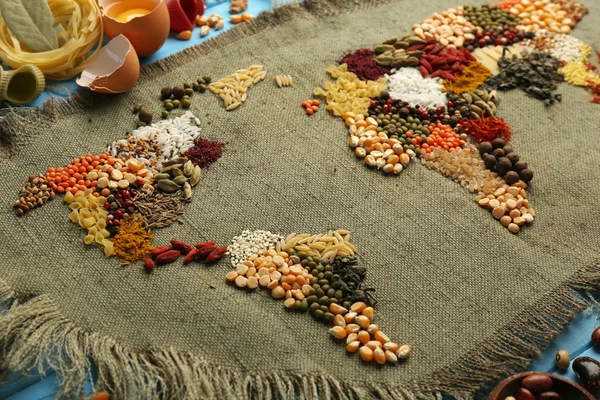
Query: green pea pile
(326,288)
(180,96)
(396,127)
(490,18)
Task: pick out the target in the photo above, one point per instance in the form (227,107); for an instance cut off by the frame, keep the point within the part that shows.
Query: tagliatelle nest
(79,30)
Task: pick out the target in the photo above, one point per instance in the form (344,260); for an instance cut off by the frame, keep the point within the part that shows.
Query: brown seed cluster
(138,148)
(508,204)
(464,166)
(575,10)
(34,194)
(158,210)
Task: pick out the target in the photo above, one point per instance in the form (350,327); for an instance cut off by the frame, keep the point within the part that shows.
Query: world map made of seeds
(429,97)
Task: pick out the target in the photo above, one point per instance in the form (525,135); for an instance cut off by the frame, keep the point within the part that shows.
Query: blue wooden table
(575,338)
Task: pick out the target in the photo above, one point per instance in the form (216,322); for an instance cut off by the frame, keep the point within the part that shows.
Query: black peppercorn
(513,157)
(508,149)
(178,92)
(498,153)
(526,175)
(498,143)
(503,166)
(485,147)
(145,116)
(489,161)
(511,177)
(519,166)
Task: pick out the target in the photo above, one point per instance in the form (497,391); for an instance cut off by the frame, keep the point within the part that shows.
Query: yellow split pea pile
(319,274)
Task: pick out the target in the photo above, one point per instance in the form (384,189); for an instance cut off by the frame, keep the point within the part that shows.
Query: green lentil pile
(490,18)
(180,96)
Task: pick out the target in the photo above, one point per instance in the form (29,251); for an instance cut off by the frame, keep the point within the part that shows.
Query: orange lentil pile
(72,178)
(442,136)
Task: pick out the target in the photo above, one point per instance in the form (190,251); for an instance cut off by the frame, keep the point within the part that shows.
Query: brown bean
(537,383)
(524,394)
(596,337)
(549,396)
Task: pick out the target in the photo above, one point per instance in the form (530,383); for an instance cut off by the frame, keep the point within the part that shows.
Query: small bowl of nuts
(538,386)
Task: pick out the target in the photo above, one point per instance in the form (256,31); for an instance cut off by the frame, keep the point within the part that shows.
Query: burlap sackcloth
(474,301)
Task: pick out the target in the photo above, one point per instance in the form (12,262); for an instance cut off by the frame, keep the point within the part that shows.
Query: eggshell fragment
(147,33)
(115,69)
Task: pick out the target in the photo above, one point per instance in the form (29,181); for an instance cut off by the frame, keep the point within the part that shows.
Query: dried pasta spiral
(348,93)
(284,80)
(79,28)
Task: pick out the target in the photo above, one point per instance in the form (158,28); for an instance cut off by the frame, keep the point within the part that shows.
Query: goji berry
(168,256)
(203,252)
(149,264)
(216,254)
(190,256)
(159,250)
(209,243)
(181,246)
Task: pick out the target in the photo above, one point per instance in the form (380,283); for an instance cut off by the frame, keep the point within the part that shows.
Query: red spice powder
(362,63)
(487,129)
(205,152)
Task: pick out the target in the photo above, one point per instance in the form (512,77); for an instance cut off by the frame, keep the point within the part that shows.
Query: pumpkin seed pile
(536,74)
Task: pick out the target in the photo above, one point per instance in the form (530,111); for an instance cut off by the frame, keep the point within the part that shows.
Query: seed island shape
(319,274)
(143,181)
(431,95)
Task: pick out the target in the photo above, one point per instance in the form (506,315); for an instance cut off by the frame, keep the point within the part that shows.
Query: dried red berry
(216,254)
(209,243)
(203,252)
(159,250)
(168,256)
(181,246)
(149,264)
(190,256)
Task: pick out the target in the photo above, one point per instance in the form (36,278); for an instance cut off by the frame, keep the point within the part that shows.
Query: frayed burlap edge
(34,334)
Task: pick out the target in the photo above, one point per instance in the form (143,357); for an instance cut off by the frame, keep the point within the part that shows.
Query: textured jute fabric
(473,300)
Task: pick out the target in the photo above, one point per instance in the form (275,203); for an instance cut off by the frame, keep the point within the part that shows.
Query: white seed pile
(251,242)
(559,45)
(170,136)
(408,84)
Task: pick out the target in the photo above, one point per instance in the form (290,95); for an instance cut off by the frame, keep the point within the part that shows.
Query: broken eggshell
(144,22)
(115,69)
